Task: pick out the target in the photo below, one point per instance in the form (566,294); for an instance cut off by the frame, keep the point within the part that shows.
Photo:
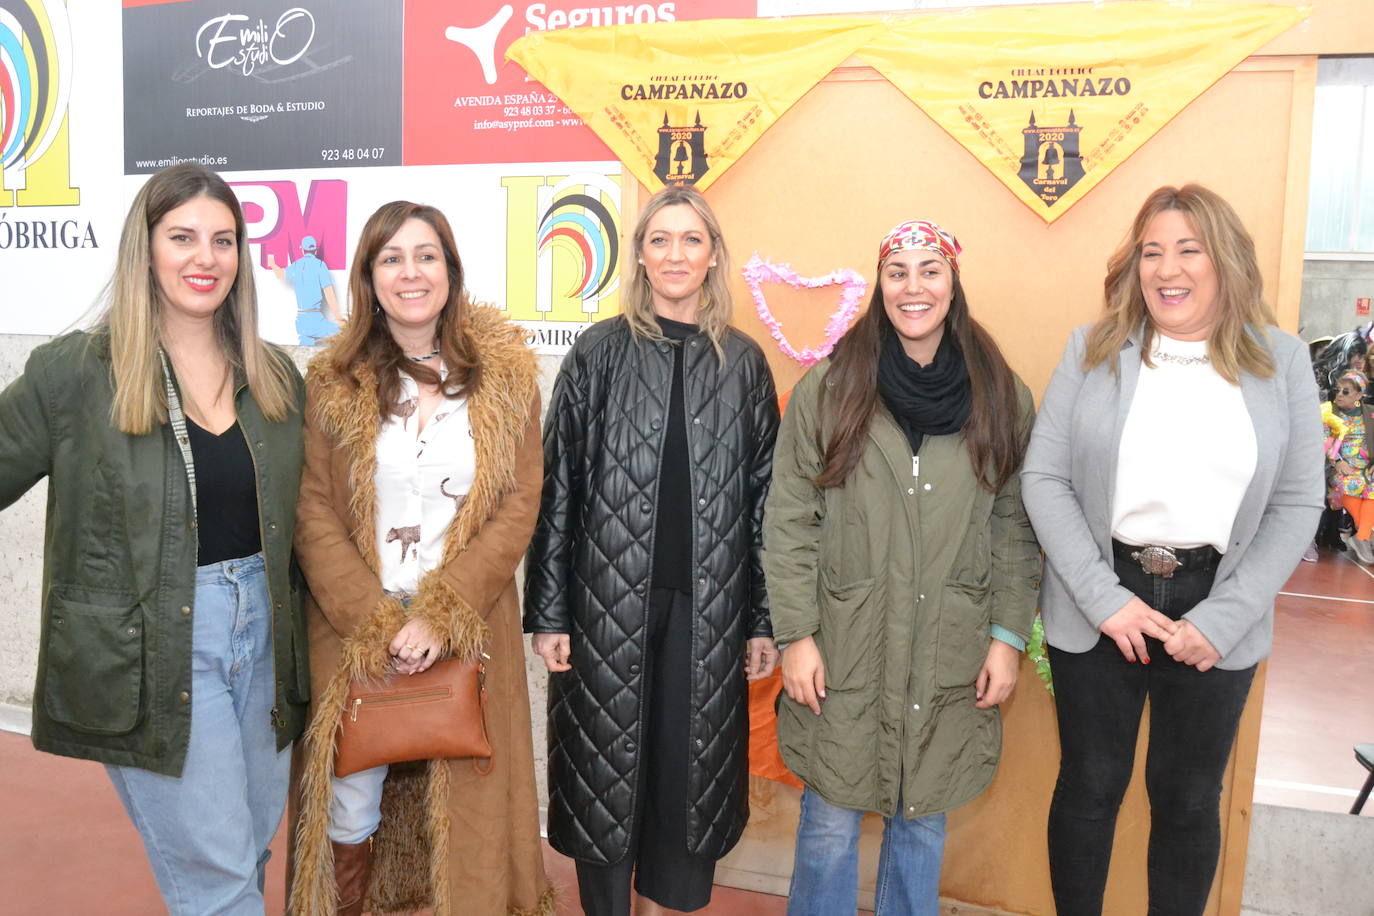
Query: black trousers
(658,861)
(1193,719)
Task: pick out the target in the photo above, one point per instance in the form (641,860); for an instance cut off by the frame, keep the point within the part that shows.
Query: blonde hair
(637,302)
(133,317)
(1240,288)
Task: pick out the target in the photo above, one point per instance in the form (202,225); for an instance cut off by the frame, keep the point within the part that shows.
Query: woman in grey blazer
(1173,480)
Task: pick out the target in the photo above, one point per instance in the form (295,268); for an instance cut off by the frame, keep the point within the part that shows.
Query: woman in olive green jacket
(172,645)
(902,573)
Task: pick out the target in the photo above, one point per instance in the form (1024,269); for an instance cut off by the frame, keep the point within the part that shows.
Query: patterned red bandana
(919,233)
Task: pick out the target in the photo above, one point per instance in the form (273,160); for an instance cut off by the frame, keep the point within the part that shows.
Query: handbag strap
(178,419)
(482,706)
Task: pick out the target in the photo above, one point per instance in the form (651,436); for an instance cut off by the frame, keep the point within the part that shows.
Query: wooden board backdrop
(821,188)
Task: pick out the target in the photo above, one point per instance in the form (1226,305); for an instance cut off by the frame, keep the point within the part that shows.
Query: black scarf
(924,400)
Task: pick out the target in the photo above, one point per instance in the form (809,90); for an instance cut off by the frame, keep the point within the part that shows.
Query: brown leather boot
(352,868)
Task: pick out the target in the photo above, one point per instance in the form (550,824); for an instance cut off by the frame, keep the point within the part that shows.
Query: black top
(673,522)
(226,495)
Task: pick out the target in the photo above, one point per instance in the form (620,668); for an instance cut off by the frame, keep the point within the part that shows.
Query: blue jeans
(206,832)
(825,872)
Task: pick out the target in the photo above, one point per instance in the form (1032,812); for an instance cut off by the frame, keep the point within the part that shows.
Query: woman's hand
(1129,626)
(761,657)
(1343,468)
(1188,646)
(803,673)
(414,648)
(998,677)
(554,648)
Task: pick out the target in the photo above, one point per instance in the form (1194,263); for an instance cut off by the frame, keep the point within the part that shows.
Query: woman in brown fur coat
(421,485)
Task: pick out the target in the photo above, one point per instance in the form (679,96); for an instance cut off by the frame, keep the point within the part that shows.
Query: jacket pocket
(962,634)
(93,669)
(849,627)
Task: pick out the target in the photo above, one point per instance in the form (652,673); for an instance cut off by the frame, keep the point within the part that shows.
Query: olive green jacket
(898,577)
(119,560)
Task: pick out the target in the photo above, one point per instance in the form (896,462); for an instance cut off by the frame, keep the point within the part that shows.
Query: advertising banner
(465,103)
(1051,99)
(539,241)
(262,84)
(681,104)
(60,202)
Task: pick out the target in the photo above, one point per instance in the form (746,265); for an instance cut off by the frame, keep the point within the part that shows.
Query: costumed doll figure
(1348,473)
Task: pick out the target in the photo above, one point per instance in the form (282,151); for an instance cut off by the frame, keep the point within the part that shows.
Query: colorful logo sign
(588,224)
(35,87)
(562,254)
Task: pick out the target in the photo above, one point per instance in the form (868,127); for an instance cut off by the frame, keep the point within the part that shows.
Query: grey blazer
(1069,478)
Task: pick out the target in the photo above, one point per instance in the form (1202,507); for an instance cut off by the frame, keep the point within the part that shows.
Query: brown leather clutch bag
(438,713)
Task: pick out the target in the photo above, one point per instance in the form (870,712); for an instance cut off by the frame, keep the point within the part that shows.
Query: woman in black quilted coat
(644,585)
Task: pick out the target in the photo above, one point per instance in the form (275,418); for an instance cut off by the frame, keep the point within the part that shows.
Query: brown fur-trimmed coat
(450,839)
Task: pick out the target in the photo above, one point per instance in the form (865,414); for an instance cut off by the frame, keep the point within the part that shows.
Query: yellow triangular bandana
(679,103)
(1052,99)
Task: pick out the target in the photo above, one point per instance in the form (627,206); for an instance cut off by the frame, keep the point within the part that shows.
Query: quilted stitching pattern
(590,562)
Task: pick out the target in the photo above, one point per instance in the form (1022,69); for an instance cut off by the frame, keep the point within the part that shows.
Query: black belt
(1165,561)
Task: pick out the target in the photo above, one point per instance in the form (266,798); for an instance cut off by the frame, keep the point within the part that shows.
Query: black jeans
(1193,718)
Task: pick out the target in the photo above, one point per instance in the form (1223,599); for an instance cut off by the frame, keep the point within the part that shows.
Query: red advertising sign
(465,104)
(1362,307)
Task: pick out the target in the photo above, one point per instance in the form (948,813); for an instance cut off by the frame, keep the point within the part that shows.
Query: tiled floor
(66,846)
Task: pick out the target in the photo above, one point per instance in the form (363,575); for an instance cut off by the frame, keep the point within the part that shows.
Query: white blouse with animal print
(422,478)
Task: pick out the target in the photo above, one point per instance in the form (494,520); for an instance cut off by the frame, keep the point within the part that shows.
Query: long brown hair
(133,316)
(713,316)
(992,439)
(1240,288)
(366,339)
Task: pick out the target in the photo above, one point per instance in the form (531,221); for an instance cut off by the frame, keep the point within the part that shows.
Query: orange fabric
(1362,511)
(764,758)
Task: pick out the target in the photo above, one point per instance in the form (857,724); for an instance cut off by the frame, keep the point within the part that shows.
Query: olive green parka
(898,576)
(119,560)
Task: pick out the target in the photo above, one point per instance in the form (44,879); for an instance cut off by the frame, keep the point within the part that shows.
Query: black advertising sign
(261,84)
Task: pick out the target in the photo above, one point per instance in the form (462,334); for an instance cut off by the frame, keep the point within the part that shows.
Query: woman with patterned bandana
(902,571)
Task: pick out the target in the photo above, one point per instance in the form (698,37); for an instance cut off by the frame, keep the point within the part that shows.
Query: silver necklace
(423,359)
(1178,360)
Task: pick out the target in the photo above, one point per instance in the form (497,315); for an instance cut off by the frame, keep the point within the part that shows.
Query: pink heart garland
(758,271)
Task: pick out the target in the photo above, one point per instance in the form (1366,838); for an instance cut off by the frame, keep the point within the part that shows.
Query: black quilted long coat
(589,567)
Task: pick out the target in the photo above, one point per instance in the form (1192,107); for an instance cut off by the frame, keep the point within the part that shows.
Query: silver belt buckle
(1157,561)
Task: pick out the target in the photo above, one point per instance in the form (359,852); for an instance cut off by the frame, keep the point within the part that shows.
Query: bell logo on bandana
(1051,164)
(681,155)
